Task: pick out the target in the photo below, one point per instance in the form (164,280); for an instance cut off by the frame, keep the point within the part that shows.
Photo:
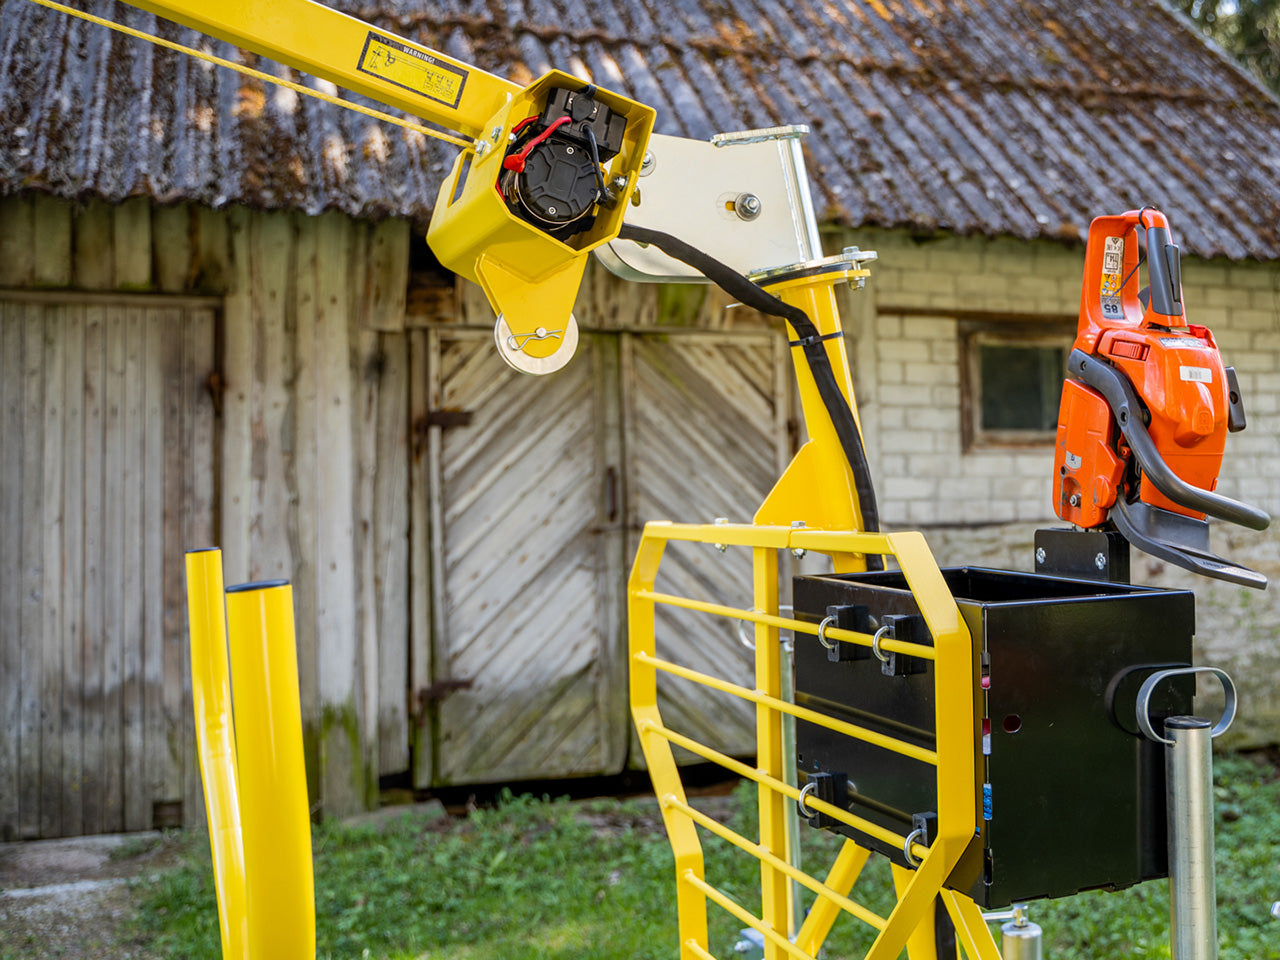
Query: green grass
(545,880)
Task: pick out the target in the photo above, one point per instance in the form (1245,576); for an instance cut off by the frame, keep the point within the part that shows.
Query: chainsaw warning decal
(1183,343)
(1112,264)
(412,69)
(1113,255)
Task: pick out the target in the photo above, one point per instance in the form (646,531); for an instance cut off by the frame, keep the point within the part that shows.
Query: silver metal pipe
(1192,891)
(791,777)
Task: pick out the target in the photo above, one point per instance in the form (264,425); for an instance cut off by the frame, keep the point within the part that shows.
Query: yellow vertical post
(273,783)
(216,740)
(775,890)
(691,905)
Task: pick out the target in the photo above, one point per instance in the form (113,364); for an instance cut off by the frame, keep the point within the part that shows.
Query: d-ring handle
(885,631)
(1149,685)
(807,789)
(911,838)
(822,634)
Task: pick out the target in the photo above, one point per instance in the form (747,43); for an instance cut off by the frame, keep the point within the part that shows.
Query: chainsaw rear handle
(1164,274)
(1125,406)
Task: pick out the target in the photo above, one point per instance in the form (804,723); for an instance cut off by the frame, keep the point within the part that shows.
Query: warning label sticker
(1113,255)
(1183,343)
(1111,308)
(1196,374)
(396,62)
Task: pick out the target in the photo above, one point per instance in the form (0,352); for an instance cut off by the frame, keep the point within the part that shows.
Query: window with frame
(1011,380)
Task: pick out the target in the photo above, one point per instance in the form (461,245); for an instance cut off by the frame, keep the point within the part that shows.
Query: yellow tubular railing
(953,757)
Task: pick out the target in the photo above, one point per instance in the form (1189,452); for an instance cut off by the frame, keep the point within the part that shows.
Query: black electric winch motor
(552,174)
(1070,795)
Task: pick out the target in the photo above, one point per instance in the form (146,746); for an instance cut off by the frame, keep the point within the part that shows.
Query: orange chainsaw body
(1174,368)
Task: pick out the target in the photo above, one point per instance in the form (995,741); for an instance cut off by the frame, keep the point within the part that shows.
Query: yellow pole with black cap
(274,813)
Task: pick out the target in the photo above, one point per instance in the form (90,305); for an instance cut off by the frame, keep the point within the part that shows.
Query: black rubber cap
(257,585)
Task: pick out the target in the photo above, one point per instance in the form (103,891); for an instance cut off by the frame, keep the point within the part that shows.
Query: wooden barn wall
(308,382)
(317,391)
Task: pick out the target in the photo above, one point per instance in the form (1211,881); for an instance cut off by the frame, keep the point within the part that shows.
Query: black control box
(1070,795)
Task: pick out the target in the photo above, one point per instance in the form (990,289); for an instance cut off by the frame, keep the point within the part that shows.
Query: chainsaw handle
(1127,409)
(1109,298)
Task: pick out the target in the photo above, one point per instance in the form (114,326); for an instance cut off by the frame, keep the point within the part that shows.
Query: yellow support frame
(954,757)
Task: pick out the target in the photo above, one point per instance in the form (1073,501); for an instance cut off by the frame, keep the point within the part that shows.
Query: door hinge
(441,689)
(448,417)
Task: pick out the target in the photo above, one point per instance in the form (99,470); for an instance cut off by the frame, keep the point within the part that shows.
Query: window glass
(1020,385)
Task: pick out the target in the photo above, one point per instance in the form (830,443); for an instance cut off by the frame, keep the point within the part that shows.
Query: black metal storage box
(1070,795)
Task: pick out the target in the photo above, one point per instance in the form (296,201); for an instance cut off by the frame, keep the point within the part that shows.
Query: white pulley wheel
(510,347)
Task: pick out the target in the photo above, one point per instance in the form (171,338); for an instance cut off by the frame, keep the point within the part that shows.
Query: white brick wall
(982,506)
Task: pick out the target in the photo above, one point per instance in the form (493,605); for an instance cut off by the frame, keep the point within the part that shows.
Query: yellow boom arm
(491,223)
(328,44)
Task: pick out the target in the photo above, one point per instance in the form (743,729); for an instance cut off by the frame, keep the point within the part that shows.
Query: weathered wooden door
(707,436)
(539,487)
(525,565)
(106,477)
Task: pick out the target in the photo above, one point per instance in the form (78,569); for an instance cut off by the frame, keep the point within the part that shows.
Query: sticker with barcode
(1196,374)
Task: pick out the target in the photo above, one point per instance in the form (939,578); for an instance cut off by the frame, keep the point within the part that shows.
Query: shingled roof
(990,117)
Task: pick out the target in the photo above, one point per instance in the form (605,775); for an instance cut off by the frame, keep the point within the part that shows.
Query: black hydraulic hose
(752,295)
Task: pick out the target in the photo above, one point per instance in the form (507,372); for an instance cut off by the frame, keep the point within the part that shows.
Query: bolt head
(1100,561)
(1040,554)
(747,206)
(799,552)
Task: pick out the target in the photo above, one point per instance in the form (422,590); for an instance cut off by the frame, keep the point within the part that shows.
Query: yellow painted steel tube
(784,623)
(841,878)
(758,850)
(687,848)
(273,783)
(327,43)
(803,713)
(652,728)
(772,938)
(216,742)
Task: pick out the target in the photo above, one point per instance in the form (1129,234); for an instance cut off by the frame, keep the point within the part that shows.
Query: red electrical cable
(522,124)
(515,162)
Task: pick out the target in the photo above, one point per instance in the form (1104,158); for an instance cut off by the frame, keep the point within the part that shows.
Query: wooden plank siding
(174,378)
(99,689)
(178,378)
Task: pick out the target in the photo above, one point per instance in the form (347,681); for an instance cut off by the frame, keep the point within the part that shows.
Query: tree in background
(1247,29)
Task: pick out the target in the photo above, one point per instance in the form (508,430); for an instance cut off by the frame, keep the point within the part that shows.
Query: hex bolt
(798,552)
(1100,561)
(747,206)
(1075,500)
(648,163)
(1040,554)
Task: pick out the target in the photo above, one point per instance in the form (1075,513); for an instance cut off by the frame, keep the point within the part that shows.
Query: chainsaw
(1146,406)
